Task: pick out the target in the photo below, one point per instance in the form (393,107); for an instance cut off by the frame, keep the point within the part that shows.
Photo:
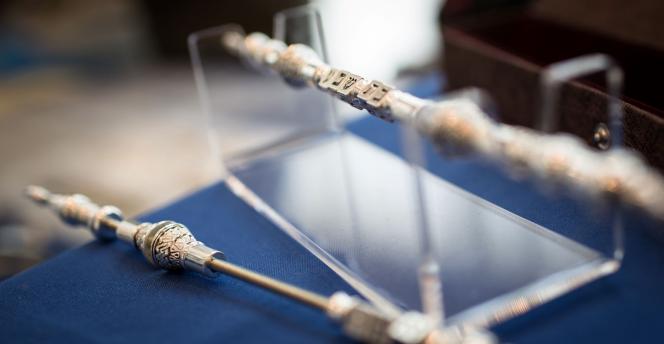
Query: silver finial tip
(232,40)
(38,194)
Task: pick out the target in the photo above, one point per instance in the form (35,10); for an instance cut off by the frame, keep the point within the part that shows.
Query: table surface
(107,293)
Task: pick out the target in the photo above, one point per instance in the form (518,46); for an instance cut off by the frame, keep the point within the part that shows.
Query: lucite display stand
(403,237)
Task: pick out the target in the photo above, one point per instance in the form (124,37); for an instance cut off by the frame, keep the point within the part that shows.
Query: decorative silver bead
(79,210)
(233,41)
(142,231)
(254,44)
(358,319)
(76,209)
(298,65)
(340,305)
(171,246)
(166,243)
(99,228)
(411,328)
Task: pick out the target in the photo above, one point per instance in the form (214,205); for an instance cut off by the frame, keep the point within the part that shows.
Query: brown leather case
(505,51)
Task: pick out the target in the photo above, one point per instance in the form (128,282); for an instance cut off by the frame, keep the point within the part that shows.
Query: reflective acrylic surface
(484,252)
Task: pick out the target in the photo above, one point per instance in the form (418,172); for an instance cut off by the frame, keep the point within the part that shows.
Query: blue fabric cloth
(107,293)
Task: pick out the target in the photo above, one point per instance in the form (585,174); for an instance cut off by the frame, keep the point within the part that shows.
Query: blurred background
(98,97)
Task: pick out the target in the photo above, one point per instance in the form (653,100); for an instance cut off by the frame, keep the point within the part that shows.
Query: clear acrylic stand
(493,265)
(282,150)
(552,79)
(393,229)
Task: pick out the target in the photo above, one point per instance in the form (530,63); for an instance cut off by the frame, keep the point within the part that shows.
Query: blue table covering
(107,293)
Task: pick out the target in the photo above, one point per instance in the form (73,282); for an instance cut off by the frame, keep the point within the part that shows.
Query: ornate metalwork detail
(459,126)
(141,232)
(344,85)
(373,99)
(298,65)
(170,244)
